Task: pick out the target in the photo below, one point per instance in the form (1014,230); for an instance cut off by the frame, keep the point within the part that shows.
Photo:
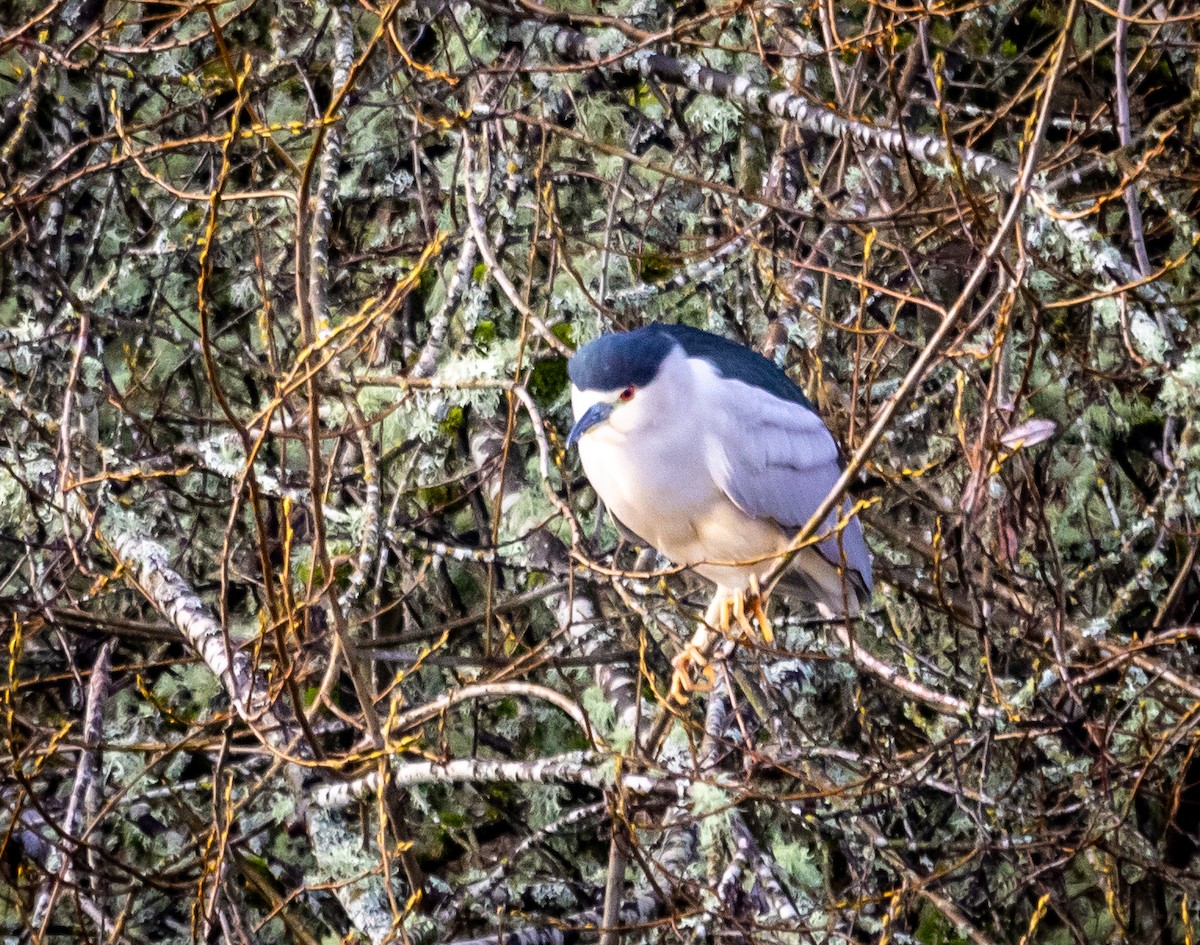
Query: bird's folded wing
(775,459)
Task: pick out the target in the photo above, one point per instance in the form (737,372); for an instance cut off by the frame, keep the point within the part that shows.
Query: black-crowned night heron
(708,452)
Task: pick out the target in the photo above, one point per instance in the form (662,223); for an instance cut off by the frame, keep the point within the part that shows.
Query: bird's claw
(682,684)
(757,608)
(742,610)
(743,606)
(738,606)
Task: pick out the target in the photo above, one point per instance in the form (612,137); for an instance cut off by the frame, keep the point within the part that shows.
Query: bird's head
(624,382)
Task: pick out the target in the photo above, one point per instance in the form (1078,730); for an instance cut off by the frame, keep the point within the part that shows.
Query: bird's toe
(682,684)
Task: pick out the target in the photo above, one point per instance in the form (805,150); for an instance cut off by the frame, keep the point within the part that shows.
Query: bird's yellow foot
(682,685)
(738,615)
(741,608)
(755,601)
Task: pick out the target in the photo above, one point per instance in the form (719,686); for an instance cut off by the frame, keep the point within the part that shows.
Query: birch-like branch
(586,768)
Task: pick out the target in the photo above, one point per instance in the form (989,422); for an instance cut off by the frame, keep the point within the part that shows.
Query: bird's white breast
(650,466)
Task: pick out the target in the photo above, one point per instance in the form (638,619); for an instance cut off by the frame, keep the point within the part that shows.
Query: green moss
(484,334)
(654,267)
(548,380)
(452,422)
(935,929)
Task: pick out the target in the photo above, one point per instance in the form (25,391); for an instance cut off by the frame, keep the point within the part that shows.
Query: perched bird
(709,452)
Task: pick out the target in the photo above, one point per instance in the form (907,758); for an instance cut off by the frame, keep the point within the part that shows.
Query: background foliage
(286,296)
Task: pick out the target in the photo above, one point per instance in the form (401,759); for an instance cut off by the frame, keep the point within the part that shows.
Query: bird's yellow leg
(759,610)
(740,599)
(693,655)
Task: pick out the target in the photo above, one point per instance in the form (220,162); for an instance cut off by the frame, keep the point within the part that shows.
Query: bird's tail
(836,592)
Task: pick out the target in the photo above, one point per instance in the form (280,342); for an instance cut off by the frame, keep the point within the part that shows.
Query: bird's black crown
(633,357)
(618,360)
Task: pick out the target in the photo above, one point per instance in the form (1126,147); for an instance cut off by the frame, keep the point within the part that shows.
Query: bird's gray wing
(775,459)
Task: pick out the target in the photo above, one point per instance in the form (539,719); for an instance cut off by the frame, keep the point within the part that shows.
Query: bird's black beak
(596,413)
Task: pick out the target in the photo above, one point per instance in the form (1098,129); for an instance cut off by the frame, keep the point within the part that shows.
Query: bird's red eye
(627,393)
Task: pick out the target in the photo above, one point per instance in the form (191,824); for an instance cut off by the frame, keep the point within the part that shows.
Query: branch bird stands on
(710,453)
